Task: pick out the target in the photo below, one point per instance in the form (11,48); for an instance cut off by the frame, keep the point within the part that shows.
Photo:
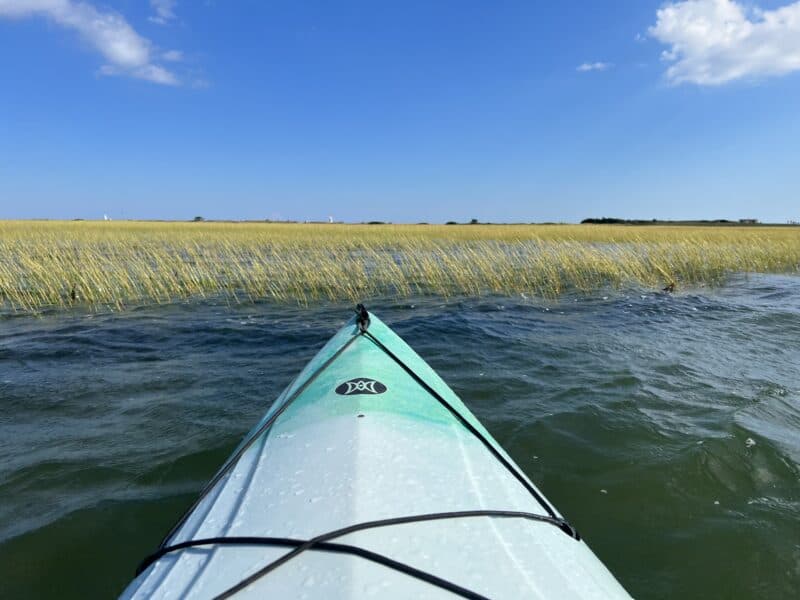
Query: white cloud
(595,66)
(164,9)
(109,33)
(152,73)
(712,42)
(156,74)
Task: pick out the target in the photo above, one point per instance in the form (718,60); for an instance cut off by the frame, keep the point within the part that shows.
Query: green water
(666,427)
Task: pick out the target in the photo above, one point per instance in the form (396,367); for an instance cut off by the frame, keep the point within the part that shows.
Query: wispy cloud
(593,66)
(173,56)
(126,52)
(164,11)
(712,42)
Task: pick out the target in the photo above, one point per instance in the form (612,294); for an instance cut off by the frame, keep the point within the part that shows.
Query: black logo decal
(360,385)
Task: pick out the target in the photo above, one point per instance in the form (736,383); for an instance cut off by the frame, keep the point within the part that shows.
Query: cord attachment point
(362,318)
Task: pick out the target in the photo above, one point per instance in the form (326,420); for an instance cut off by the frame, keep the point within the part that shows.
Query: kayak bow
(367,476)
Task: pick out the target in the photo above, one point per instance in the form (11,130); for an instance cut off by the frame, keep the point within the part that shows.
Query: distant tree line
(615,221)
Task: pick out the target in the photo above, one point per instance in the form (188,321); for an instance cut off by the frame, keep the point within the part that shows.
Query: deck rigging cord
(568,529)
(231,462)
(322,542)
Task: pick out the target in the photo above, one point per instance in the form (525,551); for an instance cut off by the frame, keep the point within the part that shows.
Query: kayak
(368,476)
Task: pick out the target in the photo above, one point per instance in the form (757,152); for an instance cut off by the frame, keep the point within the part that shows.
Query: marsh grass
(118,264)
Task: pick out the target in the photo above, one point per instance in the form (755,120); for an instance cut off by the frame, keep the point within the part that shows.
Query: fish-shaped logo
(360,385)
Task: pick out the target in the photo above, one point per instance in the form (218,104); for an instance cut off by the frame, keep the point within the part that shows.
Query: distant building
(748,221)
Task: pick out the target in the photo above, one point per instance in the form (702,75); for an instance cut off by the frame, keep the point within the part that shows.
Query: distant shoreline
(612,222)
(696,223)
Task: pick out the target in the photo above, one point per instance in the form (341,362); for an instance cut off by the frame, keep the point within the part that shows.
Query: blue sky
(399,111)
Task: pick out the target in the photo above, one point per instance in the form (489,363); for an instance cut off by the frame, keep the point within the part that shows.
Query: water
(665,427)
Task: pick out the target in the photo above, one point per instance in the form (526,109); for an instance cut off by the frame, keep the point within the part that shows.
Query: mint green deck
(318,401)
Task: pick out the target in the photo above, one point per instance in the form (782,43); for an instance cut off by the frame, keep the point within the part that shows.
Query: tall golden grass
(116,264)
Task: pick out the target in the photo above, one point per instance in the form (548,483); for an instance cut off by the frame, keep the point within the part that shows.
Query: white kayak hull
(330,460)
